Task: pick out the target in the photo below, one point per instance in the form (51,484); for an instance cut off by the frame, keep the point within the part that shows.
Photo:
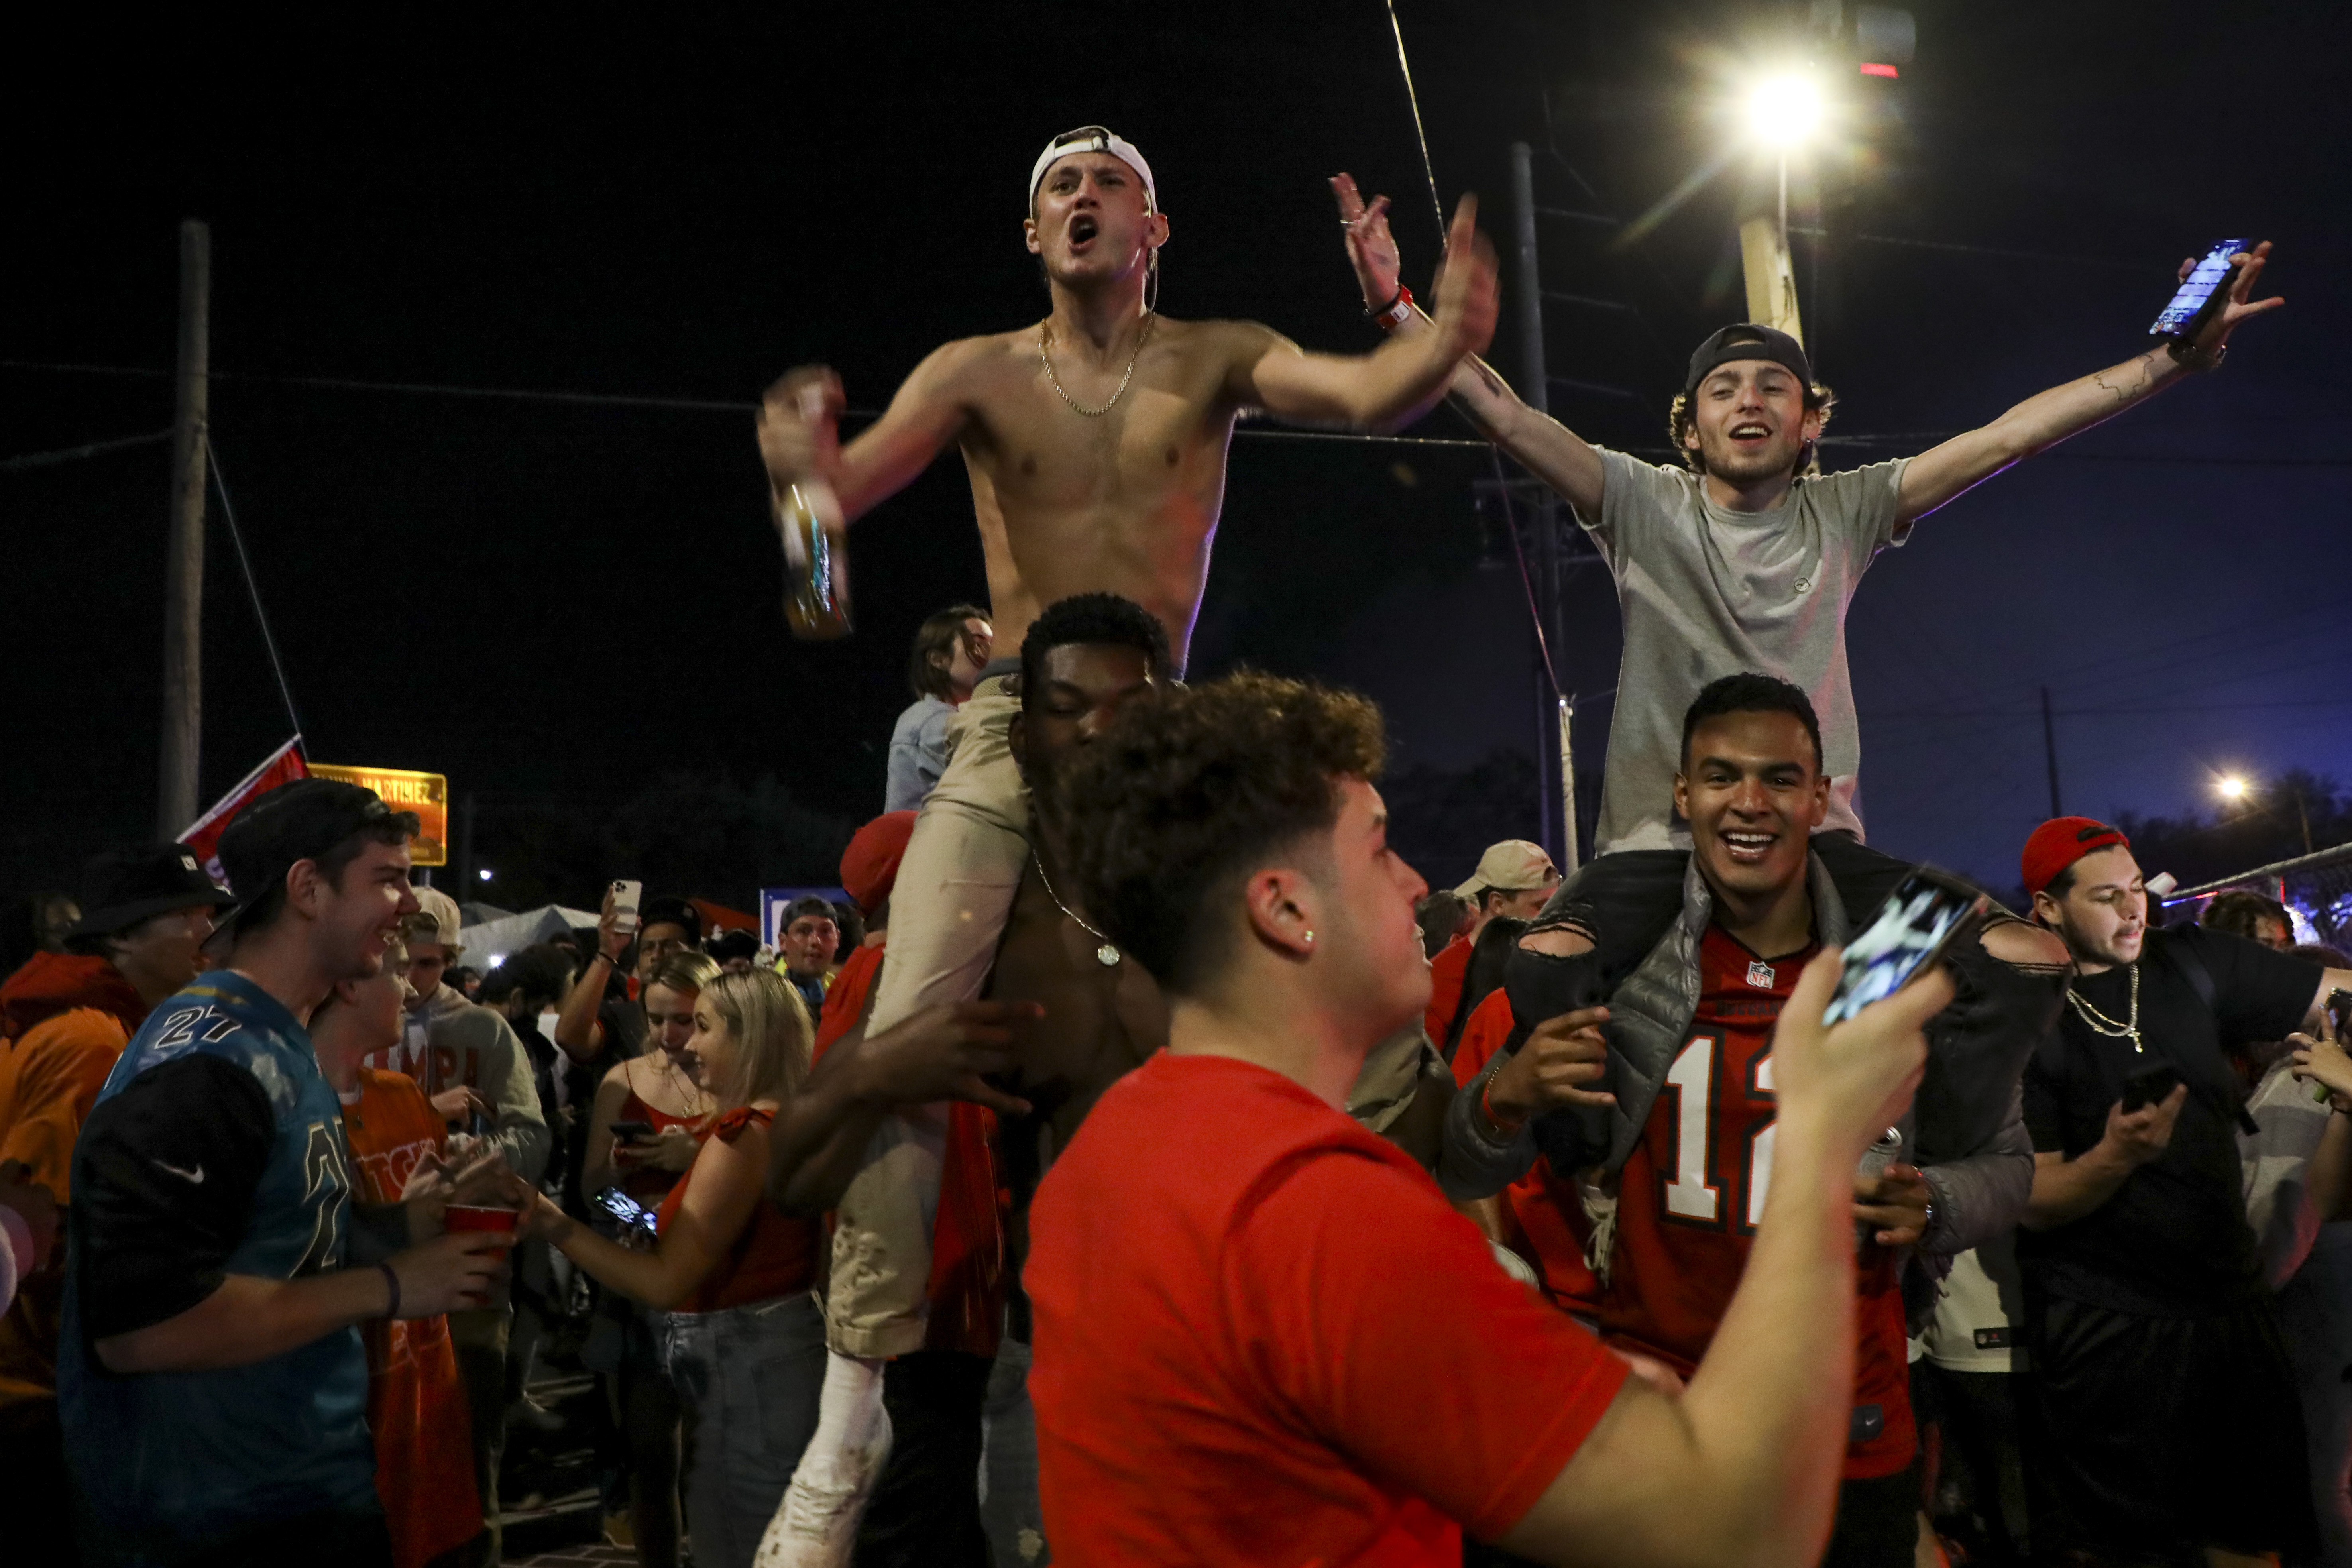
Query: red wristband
(1396,312)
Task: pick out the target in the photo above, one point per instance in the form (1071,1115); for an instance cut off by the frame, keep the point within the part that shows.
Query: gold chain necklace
(2100,1024)
(1043,337)
(1108,954)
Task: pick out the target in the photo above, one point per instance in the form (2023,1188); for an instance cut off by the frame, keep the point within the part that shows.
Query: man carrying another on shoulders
(1094,441)
(211,1382)
(1263,1335)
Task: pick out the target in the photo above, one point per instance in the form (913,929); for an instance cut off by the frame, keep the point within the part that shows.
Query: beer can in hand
(816,566)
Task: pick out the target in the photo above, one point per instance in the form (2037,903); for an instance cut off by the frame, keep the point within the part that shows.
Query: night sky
(545,598)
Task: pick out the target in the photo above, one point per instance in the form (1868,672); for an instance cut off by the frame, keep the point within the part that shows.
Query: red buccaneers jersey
(1694,1187)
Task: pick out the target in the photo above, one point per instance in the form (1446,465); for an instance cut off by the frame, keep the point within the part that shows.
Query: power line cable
(1419,135)
(73,454)
(252,583)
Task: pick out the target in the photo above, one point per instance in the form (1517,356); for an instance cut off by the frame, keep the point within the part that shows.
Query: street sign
(427,795)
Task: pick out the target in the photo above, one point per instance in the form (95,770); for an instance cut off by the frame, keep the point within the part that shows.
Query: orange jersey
(1543,1216)
(416,1399)
(1691,1191)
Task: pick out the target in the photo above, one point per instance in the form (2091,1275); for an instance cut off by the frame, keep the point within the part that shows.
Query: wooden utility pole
(183,563)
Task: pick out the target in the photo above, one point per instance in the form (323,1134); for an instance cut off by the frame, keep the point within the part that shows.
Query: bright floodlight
(2232,786)
(1785,111)
(486,873)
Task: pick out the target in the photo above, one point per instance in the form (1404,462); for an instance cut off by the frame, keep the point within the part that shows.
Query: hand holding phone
(631,1132)
(626,896)
(1914,926)
(633,1215)
(2200,293)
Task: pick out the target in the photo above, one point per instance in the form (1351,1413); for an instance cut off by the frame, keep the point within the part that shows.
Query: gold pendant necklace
(1108,954)
(1047,360)
(2100,1024)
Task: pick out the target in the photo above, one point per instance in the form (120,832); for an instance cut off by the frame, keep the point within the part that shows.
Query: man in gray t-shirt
(1741,560)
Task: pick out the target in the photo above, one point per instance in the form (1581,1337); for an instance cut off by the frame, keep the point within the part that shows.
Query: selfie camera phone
(625,894)
(626,1209)
(2150,1086)
(2191,303)
(1923,915)
(630,1132)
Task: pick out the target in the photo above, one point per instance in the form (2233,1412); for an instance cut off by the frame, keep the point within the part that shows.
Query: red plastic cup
(468,1216)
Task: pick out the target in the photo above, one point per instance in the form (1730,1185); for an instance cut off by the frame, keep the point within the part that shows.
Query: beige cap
(435,919)
(1512,866)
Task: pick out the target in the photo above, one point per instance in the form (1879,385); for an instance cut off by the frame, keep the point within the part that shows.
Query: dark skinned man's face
(1081,687)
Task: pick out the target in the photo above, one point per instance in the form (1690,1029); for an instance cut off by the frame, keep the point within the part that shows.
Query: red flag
(283,765)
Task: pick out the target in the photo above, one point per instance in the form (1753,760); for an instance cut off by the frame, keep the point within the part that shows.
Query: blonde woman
(659,1101)
(728,1273)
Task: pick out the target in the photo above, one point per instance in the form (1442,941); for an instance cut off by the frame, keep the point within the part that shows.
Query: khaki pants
(948,911)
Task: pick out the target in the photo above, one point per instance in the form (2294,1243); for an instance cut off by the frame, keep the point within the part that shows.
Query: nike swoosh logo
(196,1175)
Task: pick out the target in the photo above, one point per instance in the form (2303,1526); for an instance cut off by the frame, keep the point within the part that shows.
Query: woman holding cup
(728,1274)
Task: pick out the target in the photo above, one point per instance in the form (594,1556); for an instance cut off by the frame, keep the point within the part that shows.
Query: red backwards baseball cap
(2059,843)
(869,867)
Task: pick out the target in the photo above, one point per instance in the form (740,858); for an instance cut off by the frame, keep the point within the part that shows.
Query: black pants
(926,1507)
(1977,1414)
(2162,1436)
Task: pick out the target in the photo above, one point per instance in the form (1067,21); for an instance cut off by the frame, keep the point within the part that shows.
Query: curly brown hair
(1680,417)
(1183,795)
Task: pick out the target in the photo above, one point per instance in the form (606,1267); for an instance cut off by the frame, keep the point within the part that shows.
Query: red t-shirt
(967,1284)
(1693,1188)
(416,1399)
(1447,973)
(773,1255)
(1546,1216)
(1263,1336)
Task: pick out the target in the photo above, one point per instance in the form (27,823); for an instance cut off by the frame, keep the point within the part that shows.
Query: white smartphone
(625,896)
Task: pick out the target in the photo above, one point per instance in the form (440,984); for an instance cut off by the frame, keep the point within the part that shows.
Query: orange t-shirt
(49,1077)
(775,1254)
(416,1398)
(1543,1215)
(967,1283)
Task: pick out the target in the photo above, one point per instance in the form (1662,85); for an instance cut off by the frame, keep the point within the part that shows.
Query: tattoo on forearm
(2128,383)
(1487,378)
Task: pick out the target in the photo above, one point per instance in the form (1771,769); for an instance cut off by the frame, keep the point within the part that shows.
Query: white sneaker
(815,1526)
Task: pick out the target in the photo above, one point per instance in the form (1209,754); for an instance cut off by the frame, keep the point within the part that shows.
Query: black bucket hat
(139,881)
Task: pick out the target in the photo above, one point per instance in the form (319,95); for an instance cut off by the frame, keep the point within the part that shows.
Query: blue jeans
(750,1378)
(1008,1500)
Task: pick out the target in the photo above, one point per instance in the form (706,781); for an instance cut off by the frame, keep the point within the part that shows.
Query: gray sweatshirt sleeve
(1473,1162)
(1982,1195)
(507,1083)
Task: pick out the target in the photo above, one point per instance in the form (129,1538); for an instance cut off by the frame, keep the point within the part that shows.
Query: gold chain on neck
(2101,1024)
(1044,335)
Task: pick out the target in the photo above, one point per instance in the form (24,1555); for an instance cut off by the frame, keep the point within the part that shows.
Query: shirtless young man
(1096,444)
(1746,422)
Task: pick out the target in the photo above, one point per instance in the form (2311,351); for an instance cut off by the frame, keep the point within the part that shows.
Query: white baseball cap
(1512,866)
(1093,139)
(436,920)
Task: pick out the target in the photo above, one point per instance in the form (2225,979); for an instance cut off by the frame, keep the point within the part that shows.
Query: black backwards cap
(1746,339)
(296,821)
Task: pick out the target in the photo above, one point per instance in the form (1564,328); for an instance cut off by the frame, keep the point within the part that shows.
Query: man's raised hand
(1371,248)
(798,440)
(2235,308)
(1552,1069)
(1467,298)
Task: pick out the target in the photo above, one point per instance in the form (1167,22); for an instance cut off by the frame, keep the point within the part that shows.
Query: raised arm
(1542,444)
(1398,382)
(2041,421)
(799,442)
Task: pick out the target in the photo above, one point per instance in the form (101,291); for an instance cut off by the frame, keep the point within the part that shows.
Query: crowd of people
(1140,1164)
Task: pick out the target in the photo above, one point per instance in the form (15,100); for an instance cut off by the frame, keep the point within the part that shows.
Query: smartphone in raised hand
(626,894)
(2193,301)
(1923,916)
